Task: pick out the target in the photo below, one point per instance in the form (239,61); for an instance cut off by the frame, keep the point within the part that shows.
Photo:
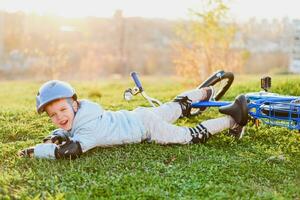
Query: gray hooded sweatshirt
(93,127)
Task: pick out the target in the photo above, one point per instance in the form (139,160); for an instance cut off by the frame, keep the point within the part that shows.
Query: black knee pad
(185,104)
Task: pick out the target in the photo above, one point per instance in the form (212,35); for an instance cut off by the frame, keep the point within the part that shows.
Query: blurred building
(295,54)
(1,36)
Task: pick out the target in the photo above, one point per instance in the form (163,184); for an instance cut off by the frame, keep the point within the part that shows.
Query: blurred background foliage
(43,47)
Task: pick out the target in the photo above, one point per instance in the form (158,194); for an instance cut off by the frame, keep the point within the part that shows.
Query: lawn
(265,164)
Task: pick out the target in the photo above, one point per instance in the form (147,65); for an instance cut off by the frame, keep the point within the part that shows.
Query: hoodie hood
(87,111)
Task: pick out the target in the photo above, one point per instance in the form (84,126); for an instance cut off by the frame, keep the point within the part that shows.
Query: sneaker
(237,131)
(210,92)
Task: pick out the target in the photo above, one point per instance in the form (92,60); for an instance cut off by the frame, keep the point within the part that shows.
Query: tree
(207,43)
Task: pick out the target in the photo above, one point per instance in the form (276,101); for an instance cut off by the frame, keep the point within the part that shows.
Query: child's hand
(56,139)
(26,153)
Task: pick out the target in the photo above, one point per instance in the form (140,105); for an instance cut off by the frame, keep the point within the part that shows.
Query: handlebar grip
(137,82)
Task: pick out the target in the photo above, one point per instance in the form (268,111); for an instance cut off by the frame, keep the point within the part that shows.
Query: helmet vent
(53,84)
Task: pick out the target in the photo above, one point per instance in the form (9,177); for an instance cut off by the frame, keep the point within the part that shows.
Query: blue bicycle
(266,107)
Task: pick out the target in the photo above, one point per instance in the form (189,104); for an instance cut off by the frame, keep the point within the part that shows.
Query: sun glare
(170,9)
(64,8)
(102,8)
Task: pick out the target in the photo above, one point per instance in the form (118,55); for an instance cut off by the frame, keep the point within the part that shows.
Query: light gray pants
(158,121)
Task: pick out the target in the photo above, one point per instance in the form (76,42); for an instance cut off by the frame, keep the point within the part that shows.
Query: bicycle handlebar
(136,80)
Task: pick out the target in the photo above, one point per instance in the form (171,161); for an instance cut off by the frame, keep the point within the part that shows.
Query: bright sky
(170,9)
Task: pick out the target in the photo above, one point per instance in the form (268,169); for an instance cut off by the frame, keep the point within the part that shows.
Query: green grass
(265,164)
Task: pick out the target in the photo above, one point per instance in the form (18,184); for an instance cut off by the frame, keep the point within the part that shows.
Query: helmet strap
(70,102)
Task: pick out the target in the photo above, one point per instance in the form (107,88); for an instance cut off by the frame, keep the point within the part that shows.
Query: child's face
(61,113)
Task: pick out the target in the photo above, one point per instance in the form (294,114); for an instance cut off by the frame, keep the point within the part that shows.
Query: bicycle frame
(271,108)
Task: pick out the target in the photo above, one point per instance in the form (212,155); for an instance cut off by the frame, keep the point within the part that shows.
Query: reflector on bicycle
(265,83)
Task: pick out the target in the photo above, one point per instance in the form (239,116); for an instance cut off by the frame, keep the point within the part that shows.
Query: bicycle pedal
(256,123)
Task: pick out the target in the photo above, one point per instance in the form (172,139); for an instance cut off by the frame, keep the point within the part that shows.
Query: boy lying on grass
(83,125)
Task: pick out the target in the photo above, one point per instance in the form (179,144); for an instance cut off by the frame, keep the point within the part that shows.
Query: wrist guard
(28,152)
(56,139)
(70,150)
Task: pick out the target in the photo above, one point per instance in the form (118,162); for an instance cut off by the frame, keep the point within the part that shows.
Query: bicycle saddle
(238,110)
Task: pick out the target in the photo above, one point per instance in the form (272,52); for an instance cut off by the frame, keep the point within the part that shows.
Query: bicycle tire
(213,80)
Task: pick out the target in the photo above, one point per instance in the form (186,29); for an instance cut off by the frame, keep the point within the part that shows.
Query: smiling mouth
(63,123)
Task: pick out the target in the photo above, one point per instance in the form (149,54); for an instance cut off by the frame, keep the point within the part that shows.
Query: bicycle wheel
(221,81)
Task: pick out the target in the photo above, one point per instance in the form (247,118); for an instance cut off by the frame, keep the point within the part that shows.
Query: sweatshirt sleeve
(87,138)
(46,150)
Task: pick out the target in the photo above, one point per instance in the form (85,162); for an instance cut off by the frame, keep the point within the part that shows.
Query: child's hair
(53,90)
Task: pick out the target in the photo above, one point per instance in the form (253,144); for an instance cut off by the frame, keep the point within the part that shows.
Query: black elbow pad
(70,150)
